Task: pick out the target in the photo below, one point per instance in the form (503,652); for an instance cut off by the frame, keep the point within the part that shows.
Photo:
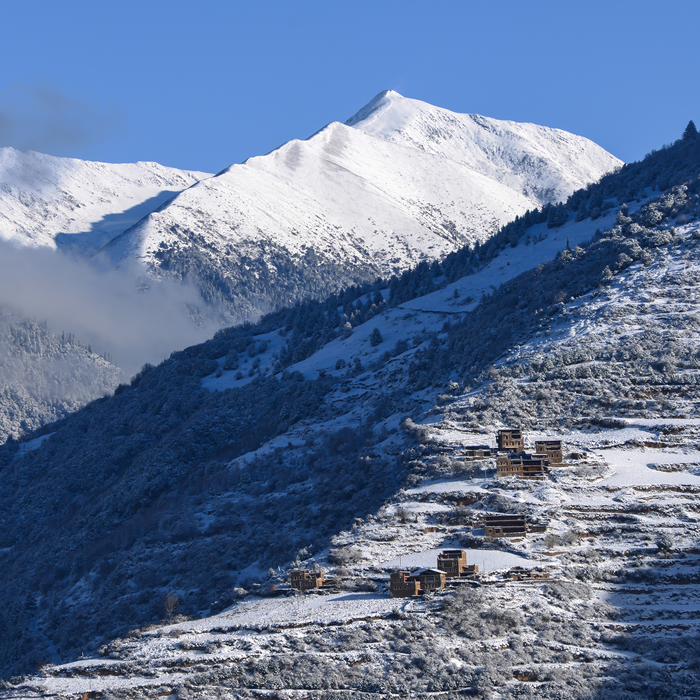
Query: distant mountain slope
(400,182)
(65,202)
(44,377)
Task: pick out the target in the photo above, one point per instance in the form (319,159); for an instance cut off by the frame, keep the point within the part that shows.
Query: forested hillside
(44,377)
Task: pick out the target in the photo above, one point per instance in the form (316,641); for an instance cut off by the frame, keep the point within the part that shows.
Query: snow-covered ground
(543,246)
(488,560)
(32,444)
(336,608)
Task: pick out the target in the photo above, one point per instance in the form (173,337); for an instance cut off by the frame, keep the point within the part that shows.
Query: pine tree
(375,337)
(556,216)
(691,132)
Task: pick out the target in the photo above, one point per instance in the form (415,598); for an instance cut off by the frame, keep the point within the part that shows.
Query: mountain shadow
(109,227)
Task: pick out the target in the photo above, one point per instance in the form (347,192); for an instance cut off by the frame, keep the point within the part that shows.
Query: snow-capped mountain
(77,204)
(542,164)
(400,182)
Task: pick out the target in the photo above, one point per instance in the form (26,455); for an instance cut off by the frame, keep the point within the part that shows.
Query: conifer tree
(691,132)
(375,337)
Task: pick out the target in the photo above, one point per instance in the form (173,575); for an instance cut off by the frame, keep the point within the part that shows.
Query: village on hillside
(452,567)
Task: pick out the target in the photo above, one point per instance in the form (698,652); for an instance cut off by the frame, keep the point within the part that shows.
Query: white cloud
(121,312)
(42,118)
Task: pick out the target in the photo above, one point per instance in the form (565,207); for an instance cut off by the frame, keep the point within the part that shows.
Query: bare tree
(172,603)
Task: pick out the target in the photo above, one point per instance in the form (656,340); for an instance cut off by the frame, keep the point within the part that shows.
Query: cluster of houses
(451,564)
(511,460)
(515,461)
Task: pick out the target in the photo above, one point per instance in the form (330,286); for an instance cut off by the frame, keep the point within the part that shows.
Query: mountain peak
(376,105)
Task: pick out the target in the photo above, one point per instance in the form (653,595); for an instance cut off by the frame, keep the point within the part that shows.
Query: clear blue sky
(203,85)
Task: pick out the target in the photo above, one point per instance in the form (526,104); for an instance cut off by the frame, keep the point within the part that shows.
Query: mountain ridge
(75,204)
(366,202)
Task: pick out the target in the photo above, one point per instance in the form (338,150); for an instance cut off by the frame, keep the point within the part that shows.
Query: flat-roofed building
(534,469)
(551,449)
(508,465)
(522,464)
(518,573)
(505,526)
(431,579)
(403,585)
(305,580)
(452,562)
(476,451)
(510,440)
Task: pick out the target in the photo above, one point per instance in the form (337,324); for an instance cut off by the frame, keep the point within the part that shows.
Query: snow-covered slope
(543,164)
(400,182)
(65,202)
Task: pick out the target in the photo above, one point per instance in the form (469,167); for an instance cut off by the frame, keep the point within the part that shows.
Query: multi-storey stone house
(522,464)
(305,580)
(476,451)
(551,449)
(403,585)
(505,526)
(431,579)
(454,563)
(510,441)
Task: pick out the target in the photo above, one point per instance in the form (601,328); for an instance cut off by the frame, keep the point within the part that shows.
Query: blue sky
(204,85)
